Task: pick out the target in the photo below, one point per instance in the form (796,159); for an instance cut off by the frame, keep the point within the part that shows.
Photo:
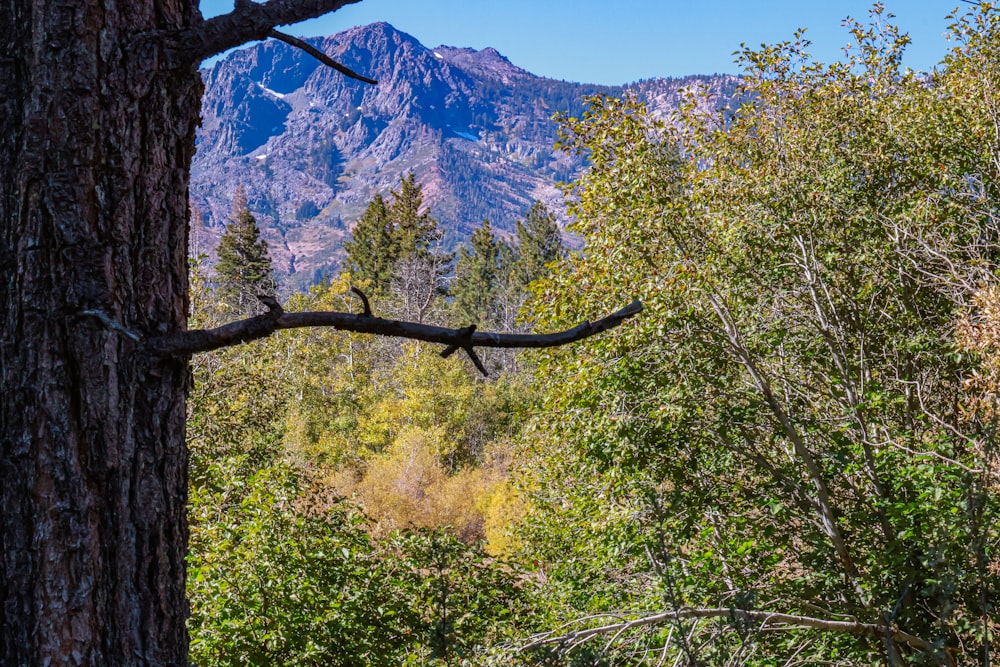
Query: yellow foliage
(429,393)
(408,487)
(978,332)
(416,439)
(502,510)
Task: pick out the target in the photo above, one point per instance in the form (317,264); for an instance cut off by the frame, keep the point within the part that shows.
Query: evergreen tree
(477,275)
(240,202)
(416,231)
(373,251)
(419,241)
(538,243)
(244,268)
(397,238)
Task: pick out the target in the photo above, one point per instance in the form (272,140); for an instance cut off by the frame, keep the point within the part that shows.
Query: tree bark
(96,138)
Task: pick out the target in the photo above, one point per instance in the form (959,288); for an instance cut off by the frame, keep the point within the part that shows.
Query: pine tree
(538,243)
(244,268)
(373,251)
(395,238)
(417,232)
(477,276)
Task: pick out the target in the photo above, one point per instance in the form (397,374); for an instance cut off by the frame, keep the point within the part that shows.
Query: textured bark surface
(96,141)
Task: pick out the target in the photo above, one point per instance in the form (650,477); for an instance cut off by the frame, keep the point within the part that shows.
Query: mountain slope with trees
(312,149)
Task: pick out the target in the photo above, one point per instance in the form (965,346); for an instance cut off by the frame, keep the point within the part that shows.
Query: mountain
(311,147)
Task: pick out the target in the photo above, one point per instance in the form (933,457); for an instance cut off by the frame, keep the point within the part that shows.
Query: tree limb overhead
(320,56)
(251,21)
(261,326)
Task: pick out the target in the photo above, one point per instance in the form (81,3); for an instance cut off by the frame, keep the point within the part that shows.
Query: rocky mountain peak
(487,63)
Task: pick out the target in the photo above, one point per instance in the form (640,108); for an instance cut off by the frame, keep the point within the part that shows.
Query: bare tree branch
(767,621)
(114,325)
(320,56)
(364,301)
(465,338)
(248,22)
(261,326)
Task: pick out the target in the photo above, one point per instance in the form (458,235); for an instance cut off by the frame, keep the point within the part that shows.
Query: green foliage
(399,242)
(477,275)
(492,276)
(801,422)
(417,232)
(236,404)
(325,162)
(269,584)
(464,601)
(783,426)
(538,244)
(283,568)
(279,576)
(244,267)
(373,250)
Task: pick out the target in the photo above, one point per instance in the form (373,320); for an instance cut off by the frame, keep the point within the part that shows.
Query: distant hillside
(312,147)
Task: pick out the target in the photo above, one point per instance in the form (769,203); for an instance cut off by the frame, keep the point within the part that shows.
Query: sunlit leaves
(786,412)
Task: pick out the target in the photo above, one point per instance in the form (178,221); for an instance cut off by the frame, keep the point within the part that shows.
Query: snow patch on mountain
(273,93)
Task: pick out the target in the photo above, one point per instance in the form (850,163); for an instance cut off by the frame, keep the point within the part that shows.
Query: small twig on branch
(261,326)
(364,301)
(274,308)
(465,343)
(767,621)
(465,335)
(111,324)
(320,56)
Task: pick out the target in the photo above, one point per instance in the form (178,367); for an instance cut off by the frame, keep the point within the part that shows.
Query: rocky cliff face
(312,147)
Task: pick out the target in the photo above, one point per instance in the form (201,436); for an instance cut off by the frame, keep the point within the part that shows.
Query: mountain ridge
(311,147)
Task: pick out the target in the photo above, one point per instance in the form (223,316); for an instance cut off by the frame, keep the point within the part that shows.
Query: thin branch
(248,22)
(465,343)
(320,56)
(767,621)
(364,301)
(204,340)
(941,457)
(111,324)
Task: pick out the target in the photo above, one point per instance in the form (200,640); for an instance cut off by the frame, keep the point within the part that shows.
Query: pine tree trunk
(96,141)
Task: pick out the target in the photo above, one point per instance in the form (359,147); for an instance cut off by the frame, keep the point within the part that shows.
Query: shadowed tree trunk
(96,140)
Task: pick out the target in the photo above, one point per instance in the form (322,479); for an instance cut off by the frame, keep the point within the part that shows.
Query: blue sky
(618,41)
